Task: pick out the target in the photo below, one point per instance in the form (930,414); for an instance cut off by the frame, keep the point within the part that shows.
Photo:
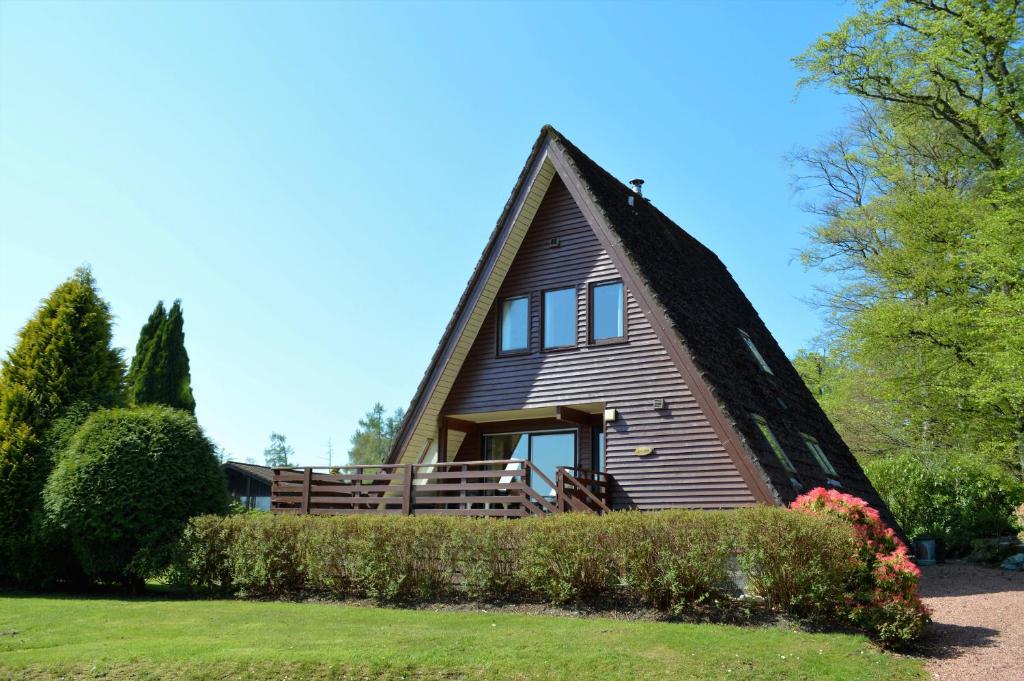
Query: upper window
(774,443)
(754,351)
(559,316)
(515,324)
(607,311)
(819,455)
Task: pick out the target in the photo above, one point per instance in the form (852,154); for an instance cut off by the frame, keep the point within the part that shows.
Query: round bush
(126,485)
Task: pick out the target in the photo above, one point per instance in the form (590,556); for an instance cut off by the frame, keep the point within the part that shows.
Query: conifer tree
(63,358)
(159,373)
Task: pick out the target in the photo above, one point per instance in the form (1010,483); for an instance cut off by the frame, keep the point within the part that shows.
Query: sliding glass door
(547,451)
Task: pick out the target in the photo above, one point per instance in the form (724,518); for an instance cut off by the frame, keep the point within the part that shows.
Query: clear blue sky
(316,181)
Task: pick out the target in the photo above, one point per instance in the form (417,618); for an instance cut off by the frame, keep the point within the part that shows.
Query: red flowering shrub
(882,596)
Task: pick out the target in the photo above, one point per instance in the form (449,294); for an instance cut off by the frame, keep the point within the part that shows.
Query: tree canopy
(920,211)
(279,452)
(63,357)
(159,373)
(372,440)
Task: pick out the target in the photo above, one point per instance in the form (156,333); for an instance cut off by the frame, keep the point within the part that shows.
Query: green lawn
(44,637)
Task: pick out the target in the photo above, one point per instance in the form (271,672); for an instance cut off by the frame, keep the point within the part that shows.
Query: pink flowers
(884,598)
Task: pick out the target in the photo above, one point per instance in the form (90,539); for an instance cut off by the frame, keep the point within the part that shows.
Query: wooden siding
(690,467)
(482,289)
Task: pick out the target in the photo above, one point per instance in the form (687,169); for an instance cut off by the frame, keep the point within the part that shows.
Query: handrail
(497,487)
(585,489)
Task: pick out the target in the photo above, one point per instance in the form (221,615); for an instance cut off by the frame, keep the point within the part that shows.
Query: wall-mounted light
(658,403)
(610,415)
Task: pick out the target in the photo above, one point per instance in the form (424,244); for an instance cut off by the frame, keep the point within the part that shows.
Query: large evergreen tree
(159,372)
(63,358)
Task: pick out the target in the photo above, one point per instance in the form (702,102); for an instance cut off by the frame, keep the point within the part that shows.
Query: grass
(50,637)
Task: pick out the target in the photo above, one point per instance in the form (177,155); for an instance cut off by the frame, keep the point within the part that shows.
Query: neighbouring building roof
(706,311)
(264,473)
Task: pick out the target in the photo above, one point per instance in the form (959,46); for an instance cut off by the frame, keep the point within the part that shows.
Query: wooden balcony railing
(473,488)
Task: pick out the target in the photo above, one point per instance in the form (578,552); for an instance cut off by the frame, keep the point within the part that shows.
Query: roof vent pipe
(638,186)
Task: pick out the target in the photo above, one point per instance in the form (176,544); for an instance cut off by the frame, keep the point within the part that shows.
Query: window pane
(499,447)
(774,444)
(607,313)
(560,318)
(819,455)
(515,324)
(549,451)
(598,444)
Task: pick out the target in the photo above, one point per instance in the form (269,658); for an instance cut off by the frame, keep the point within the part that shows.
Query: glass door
(548,451)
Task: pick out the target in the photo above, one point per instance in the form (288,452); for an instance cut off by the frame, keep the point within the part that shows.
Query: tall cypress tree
(142,376)
(159,373)
(63,358)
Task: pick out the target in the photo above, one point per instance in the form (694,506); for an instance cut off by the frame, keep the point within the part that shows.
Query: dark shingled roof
(707,310)
(264,473)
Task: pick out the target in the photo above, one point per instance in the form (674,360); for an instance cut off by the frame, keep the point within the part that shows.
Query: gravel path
(977,629)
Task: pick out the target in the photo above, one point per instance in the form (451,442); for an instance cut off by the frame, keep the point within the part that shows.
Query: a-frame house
(596,335)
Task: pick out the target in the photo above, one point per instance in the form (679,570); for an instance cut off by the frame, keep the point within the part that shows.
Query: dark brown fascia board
(470,298)
(460,425)
(577,417)
(732,442)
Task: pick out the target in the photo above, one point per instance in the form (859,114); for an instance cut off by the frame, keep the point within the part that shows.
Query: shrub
(200,558)
(263,554)
(126,486)
(882,590)
(955,501)
(1019,518)
(567,557)
(492,560)
(674,560)
(803,563)
(799,563)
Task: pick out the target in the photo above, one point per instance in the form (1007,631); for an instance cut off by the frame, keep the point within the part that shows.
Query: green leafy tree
(159,372)
(921,218)
(372,440)
(279,453)
(63,358)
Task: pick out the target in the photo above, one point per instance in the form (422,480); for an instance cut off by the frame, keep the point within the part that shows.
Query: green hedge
(955,500)
(125,488)
(670,560)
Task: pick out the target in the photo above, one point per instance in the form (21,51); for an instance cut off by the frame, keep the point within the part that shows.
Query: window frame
(753,350)
(773,442)
(591,309)
(575,318)
(501,318)
(818,452)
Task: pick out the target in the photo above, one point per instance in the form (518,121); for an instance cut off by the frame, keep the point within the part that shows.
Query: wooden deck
(468,488)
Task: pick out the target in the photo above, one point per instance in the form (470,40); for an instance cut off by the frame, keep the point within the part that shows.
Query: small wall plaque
(643,451)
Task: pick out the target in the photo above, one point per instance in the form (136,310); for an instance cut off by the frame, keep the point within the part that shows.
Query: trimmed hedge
(675,561)
(125,487)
